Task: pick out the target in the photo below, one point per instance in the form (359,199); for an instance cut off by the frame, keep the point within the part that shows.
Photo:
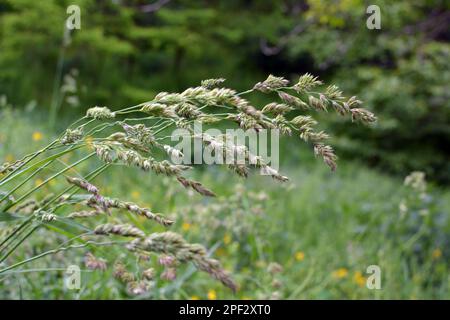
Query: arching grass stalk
(88,177)
(6,255)
(49,179)
(133,142)
(53,251)
(27,179)
(15,232)
(38,165)
(20,229)
(30,157)
(24,162)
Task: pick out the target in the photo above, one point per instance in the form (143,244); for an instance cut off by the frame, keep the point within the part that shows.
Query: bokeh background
(310,238)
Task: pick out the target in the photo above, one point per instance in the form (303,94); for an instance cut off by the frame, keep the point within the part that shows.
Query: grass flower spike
(137,137)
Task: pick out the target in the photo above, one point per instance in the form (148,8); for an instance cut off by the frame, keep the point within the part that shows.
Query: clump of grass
(131,137)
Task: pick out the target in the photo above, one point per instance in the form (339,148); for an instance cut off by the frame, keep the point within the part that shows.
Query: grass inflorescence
(133,137)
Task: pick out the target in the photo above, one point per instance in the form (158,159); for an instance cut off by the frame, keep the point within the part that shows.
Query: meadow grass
(311,238)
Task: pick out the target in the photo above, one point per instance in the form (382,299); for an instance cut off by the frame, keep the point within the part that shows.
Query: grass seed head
(72,136)
(93,263)
(327,153)
(100,113)
(272,83)
(363,115)
(276,108)
(293,101)
(125,230)
(84,214)
(306,82)
(212,83)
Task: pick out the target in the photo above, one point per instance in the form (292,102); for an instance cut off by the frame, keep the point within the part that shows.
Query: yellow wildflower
(135,195)
(359,279)
(212,295)
(437,253)
(227,238)
(299,256)
(37,136)
(340,273)
(186,226)
(195,298)
(9,158)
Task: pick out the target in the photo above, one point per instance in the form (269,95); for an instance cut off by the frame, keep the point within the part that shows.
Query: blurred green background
(128,50)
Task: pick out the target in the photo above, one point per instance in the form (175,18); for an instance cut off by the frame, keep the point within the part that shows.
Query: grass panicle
(137,142)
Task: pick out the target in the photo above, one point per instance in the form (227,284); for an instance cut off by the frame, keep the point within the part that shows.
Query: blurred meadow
(312,237)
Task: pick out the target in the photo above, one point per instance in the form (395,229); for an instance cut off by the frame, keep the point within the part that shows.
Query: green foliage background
(128,50)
